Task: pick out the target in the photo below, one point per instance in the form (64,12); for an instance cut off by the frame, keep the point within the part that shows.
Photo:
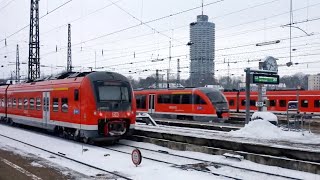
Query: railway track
(62,155)
(173,164)
(202,163)
(286,156)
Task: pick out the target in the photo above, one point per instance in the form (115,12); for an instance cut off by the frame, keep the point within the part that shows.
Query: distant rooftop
(202,18)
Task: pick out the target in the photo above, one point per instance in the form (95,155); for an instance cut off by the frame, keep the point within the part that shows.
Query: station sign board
(259,104)
(265,79)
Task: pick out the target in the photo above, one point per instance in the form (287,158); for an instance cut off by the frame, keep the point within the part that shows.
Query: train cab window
(19,103)
(76,94)
(31,101)
(317,103)
(141,101)
(198,100)
(164,99)
(176,99)
(64,104)
(9,103)
(14,103)
(304,103)
(272,102)
(231,102)
(186,99)
(38,104)
(283,103)
(55,104)
(2,102)
(25,103)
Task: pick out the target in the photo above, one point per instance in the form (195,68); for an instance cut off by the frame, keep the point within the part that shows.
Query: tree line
(233,82)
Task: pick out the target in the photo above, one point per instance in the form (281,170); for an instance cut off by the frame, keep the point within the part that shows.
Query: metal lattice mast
(69,60)
(34,42)
(17,65)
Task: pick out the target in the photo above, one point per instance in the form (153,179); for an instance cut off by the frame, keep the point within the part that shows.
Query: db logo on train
(115,114)
(136,157)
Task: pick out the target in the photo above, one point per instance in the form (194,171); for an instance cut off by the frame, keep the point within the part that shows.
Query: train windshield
(113,96)
(113,93)
(217,99)
(215,96)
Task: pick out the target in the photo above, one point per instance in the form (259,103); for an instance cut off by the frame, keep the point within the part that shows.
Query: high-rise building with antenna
(202,47)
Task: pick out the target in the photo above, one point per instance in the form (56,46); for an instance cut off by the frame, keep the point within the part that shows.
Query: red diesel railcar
(88,105)
(309,101)
(183,103)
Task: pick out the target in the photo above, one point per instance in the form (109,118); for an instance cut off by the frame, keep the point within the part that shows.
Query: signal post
(267,74)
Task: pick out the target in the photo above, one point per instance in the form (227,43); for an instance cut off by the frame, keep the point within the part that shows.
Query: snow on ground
(121,163)
(227,170)
(310,142)
(265,130)
(115,161)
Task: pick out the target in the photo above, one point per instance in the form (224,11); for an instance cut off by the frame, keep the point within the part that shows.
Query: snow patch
(35,164)
(267,116)
(265,130)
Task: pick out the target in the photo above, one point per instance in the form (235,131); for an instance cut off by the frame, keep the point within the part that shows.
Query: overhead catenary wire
(53,10)
(3,7)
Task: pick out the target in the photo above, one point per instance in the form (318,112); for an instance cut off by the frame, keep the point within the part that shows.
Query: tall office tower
(202,46)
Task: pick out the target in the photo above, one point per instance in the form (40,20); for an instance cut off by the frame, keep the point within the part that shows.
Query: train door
(151,103)
(46,108)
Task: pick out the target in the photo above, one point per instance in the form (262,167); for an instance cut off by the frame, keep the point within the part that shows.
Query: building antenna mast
(202,7)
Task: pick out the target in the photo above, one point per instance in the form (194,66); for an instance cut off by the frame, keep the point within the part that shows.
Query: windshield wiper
(219,102)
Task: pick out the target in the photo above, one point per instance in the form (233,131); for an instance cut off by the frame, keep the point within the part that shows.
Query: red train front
(91,106)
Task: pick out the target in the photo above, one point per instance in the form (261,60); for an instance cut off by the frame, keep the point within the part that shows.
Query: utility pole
(228,73)
(95,61)
(34,42)
(157,79)
(178,72)
(168,86)
(69,59)
(291,19)
(17,65)
(168,71)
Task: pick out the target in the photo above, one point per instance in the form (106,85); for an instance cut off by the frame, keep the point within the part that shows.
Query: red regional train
(183,103)
(91,106)
(309,101)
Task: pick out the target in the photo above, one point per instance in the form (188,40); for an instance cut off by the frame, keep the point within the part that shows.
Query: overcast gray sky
(97,25)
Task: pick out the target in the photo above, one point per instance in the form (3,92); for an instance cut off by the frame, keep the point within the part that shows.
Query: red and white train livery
(183,103)
(87,105)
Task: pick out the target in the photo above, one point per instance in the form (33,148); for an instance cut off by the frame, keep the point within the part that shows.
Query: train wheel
(11,123)
(87,140)
(76,136)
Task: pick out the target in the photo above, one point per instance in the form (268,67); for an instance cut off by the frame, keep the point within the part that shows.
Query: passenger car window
(25,103)
(31,103)
(55,104)
(38,103)
(64,104)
